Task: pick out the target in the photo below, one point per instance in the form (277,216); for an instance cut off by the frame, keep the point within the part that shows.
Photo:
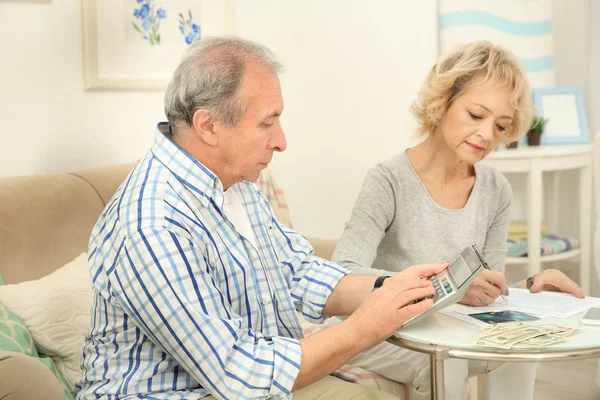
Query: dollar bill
(507,339)
(565,330)
(549,339)
(518,334)
(507,326)
(541,341)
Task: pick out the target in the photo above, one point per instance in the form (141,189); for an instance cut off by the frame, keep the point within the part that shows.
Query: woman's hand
(485,289)
(553,280)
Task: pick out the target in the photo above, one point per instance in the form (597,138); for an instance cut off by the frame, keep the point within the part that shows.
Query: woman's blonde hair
(453,73)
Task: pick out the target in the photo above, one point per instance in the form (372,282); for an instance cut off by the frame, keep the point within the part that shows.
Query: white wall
(352,70)
(49,123)
(570,26)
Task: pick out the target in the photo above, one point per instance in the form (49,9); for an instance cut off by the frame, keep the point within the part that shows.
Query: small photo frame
(565,109)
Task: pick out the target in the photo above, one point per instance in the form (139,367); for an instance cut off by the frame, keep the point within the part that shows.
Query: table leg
(437,376)
(534,218)
(585,227)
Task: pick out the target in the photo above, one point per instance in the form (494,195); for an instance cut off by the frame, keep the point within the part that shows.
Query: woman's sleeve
(495,247)
(373,213)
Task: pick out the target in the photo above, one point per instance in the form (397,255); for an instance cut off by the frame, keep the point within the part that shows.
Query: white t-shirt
(234,211)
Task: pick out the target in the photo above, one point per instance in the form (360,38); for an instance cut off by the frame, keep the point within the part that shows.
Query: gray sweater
(396,224)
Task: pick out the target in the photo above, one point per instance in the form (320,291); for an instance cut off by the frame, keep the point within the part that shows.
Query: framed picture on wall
(137,44)
(565,109)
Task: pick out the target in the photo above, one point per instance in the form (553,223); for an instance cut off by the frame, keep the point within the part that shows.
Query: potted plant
(534,134)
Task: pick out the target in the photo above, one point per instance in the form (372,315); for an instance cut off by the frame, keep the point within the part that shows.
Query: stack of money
(519,334)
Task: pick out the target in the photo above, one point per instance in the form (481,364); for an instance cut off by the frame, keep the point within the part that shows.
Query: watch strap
(379,281)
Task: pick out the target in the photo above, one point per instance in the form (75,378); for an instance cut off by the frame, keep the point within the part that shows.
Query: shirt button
(266,300)
(253,257)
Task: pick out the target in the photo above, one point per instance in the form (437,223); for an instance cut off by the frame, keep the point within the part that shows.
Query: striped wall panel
(523,26)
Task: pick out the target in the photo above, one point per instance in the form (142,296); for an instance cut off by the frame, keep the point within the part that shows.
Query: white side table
(444,337)
(534,161)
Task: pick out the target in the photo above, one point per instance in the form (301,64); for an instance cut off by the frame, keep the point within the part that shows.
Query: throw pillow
(56,311)
(14,337)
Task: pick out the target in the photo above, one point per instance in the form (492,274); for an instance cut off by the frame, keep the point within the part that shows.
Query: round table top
(447,332)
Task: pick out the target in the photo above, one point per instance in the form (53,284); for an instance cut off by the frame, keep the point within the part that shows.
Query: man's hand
(554,280)
(423,271)
(388,307)
(485,289)
(375,316)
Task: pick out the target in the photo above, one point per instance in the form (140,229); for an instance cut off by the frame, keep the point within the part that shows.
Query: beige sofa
(45,220)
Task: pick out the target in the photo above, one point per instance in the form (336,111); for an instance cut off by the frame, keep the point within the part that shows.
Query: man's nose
(278,141)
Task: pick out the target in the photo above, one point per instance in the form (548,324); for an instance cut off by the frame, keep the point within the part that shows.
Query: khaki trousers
(24,377)
(333,388)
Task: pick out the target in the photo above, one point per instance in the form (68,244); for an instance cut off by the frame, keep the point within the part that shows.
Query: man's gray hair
(208,77)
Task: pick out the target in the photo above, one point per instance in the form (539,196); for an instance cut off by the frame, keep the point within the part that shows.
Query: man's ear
(204,127)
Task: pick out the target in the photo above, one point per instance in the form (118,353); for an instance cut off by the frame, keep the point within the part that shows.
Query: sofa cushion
(46,222)
(56,311)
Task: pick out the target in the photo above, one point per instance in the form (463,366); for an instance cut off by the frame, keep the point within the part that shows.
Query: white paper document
(543,305)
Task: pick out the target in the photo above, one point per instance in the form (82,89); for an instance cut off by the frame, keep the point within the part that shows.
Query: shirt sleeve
(372,215)
(162,281)
(311,279)
(495,247)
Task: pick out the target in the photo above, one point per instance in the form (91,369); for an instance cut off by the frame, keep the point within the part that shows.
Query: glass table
(444,337)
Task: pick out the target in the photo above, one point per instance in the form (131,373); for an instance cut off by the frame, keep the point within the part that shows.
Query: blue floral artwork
(188,28)
(147,20)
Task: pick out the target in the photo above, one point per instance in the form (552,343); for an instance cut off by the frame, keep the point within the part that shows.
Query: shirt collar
(188,170)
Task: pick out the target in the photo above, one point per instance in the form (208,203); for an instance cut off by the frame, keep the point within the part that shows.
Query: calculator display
(462,268)
(460,271)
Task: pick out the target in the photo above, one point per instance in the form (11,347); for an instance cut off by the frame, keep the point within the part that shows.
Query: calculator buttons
(439,292)
(448,287)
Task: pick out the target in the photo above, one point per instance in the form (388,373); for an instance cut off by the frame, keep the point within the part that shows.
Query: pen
(486,266)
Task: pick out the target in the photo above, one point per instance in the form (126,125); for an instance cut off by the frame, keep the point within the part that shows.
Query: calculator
(452,283)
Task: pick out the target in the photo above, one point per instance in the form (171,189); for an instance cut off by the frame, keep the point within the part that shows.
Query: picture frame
(564,107)
(135,45)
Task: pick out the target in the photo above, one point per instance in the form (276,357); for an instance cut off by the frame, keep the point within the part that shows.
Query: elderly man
(197,284)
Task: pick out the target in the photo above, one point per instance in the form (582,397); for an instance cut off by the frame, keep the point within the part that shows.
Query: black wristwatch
(379,281)
(529,282)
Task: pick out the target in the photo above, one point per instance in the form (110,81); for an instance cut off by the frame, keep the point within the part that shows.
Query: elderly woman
(432,200)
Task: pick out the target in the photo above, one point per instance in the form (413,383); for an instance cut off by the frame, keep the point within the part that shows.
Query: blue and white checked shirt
(184,305)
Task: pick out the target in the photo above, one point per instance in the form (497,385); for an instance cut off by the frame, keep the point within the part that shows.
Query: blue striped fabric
(186,307)
(524,27)
(475,17)
(537,64)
